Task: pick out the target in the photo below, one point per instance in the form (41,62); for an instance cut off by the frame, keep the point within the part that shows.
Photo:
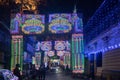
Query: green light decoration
(17,59)
(33,26)
(77,46)
(21,55)
(77,53)
(73,55)
(83,61)
(12,57)
(60,25)
(17,51)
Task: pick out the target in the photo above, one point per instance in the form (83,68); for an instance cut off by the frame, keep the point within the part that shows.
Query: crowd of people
(33,73)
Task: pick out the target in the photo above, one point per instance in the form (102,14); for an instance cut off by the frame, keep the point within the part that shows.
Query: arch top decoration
(27,24)
(33,26)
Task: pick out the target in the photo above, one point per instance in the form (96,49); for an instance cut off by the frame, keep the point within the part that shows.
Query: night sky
(86,7)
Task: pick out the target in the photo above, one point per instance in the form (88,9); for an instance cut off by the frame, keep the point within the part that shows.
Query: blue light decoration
(46,45)
(60,23)
(33,24)
(59,45)
(15,23)
(51,53)
(60,53)
(37,47)
(77,22)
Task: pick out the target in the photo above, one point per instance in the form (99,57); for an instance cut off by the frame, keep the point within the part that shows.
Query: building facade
(102,41)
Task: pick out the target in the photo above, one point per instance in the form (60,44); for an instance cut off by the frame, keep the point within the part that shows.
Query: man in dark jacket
(17,71)
(42,72)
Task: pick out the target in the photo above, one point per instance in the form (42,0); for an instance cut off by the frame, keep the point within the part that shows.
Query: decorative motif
(59,24)
(59,45)
(50,53)
(46,45)
(37,47)
(33,24)
(15,24)
(60,53)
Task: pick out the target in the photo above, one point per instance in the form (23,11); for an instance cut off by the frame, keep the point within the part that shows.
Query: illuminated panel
(33,24)
(67,58)
(77,53)
(17,51)
(37,59)
(60,53)
(46,45)
(60,23)
(67,45)
(15,23)
(51,53)
(30,48)
(37,47)
(78,23)
(59,45)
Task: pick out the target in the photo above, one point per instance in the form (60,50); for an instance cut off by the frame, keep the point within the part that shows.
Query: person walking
(33,72)
(16,71)
(42,72)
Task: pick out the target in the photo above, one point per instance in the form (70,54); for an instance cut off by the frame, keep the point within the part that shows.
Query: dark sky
(86,7)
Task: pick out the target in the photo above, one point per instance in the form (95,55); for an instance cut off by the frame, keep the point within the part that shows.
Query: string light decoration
(59,23)
(59,45)
(77,53)
(51,53)
(60,53)
(15,23)
(33,24)
(46,45)
(16,51)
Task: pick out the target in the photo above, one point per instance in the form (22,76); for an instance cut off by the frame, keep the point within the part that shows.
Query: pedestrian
(42,72)
(16,71)
(33,72)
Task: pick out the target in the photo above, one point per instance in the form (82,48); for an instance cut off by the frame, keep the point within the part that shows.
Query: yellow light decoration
(60,21)
(33,23)
(28,4)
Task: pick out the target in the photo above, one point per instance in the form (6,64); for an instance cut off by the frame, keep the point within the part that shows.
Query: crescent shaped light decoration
(33,26)
(60,25)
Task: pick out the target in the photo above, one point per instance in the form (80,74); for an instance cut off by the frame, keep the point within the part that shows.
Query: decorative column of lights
(76,39)
(45,57)
(64,60)
(82,54)
(79,56)
(73,54)
(68,59)
(37,59)
(78,53)
(17,50)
